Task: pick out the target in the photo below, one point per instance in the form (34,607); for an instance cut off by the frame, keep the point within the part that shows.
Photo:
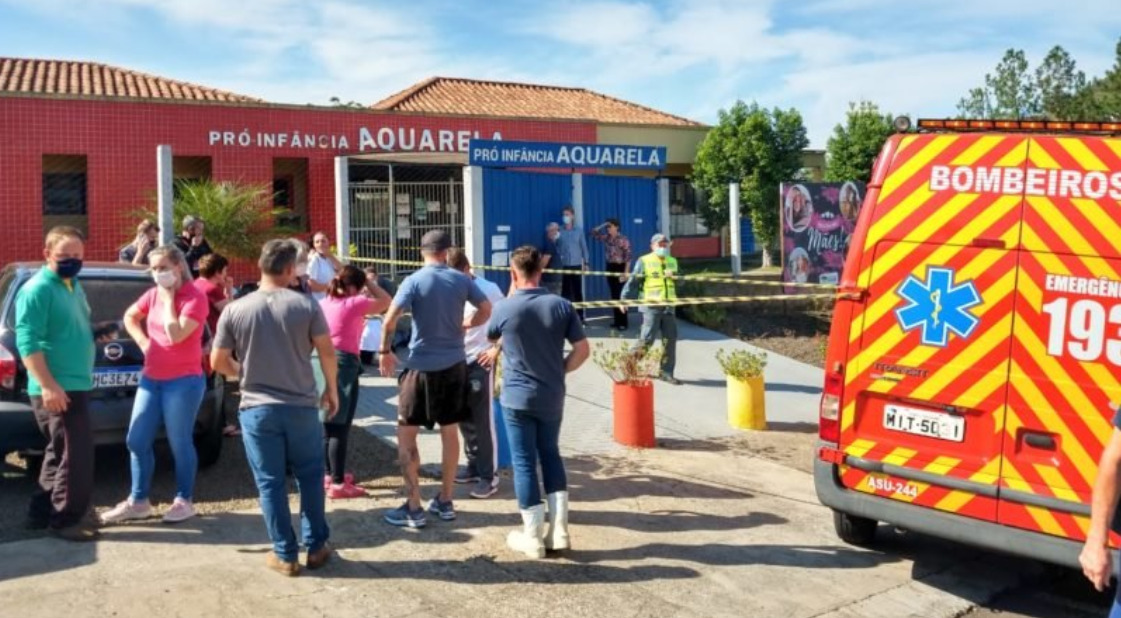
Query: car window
(108,299)
(6,280)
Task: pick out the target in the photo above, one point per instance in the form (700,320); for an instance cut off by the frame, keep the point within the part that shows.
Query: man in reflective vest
(653,276)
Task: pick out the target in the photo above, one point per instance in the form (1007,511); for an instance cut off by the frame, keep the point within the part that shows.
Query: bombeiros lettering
(1033,181)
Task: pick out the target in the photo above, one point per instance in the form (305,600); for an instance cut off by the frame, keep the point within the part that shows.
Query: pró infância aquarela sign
(390,139)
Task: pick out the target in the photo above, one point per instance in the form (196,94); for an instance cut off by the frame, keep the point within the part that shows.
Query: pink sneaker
(348,479)
(181,510)
(127,510)
(345,491)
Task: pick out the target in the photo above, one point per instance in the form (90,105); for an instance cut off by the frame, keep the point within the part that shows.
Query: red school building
(78,143)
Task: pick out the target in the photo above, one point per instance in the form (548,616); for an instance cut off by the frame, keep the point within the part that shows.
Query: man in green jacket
(55,340)
(653,280)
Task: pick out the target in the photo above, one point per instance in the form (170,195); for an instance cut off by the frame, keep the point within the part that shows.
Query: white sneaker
(181,510)
(127,510)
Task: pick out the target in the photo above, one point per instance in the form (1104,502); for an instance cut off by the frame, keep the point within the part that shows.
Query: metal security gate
(634,202)
(388,219)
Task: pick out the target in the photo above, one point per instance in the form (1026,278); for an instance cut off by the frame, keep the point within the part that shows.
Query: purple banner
(817,223)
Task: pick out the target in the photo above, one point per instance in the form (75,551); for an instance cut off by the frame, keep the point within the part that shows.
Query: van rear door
(1066,344)
(927,376)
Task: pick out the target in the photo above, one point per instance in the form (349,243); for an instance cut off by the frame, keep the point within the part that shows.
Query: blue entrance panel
(518,207)
(634,202)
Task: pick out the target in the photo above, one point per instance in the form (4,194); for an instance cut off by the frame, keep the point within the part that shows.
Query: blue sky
(689,57)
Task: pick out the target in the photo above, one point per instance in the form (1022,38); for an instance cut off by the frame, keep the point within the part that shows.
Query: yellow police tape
(710,300)
(590,273)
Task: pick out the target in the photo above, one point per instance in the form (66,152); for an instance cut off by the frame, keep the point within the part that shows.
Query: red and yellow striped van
(974,361)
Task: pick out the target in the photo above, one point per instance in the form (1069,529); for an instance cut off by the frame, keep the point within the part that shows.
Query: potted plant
(744,369)
(631,369)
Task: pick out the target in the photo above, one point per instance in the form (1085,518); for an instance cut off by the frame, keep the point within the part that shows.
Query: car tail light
(8,370)
(829,427)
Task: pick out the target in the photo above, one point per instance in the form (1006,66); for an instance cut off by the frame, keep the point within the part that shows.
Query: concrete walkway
(695,410)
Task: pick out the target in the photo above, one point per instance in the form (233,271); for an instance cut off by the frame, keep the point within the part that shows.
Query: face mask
(164,278)
(68,268)
(301,270)
(568,219)
(554,236)
(661,251)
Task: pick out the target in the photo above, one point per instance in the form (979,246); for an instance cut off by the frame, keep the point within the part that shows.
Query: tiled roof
(93,79)
(446,95)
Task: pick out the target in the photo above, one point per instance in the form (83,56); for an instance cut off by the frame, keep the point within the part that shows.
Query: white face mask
(301,270)
(164,278)
(661,251)
(567,219)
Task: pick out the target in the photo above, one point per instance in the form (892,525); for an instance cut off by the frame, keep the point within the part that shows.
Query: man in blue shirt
(433,388)
(531,327)
(572,249)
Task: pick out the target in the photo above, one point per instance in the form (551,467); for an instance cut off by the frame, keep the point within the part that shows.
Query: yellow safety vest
(656,285)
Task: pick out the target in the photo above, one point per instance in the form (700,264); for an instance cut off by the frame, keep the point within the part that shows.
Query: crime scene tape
(711,300)
(599,273)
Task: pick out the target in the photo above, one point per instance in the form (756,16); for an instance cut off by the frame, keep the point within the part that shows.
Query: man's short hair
(457,259)
(552,224)
(277,256)
(526,259)
(62,233)
(569,208)
(435,241)
(191,221)
(146,226)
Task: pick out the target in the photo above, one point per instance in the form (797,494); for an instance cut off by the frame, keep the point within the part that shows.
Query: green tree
(1104,94)
(337,102)
(854,145)
(1061,86)
(1010,91)
(239,217)
(758,148)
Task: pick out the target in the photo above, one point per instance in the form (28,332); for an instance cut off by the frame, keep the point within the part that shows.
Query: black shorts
(430,398)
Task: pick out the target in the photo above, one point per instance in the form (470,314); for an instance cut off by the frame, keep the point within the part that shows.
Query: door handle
(1040,440)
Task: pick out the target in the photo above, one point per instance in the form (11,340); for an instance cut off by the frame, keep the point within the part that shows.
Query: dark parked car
(110,289)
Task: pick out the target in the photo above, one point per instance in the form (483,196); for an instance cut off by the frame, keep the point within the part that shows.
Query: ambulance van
(974,360)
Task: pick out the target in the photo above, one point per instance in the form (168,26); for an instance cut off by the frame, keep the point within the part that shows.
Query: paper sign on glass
(499,242)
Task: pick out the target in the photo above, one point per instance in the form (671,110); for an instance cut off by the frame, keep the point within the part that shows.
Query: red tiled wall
(119,140)
(696,247)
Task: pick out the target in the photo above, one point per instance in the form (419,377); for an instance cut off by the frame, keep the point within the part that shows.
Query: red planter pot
(634,415)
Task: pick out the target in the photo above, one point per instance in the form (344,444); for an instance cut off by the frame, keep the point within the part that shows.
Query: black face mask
(68,268)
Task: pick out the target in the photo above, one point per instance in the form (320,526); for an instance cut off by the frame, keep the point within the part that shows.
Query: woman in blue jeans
(166,323)
(531,327)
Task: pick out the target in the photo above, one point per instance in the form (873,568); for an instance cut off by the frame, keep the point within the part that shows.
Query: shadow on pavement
(783,387)
(713,554)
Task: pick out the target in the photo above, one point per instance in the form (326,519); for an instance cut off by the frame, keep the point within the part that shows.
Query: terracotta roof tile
(93,79)
(445,95)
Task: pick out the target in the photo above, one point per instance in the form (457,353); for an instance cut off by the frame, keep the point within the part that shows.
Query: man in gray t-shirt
(274,331)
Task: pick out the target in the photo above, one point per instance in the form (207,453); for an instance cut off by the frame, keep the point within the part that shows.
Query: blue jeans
(535,437)
(277,437)
(173,404)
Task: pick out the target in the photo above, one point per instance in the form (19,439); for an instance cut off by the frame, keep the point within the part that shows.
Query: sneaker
(181,510)
(446,510)
(465,477)
(485,489)
(127,510)
(348,479)
(345,491)
(403,516)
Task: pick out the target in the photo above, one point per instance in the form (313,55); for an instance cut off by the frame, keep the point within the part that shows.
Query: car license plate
(116,378)
(924,423)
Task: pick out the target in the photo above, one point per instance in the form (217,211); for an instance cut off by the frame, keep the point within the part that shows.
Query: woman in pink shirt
(166,324)
(351,296)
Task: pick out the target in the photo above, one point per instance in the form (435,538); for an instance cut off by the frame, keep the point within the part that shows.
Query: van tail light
(8,370)
(829,424)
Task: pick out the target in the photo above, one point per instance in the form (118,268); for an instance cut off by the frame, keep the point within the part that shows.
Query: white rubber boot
(557,537)
(530,539)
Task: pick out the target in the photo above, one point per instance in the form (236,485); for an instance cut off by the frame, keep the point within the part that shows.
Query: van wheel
(855,530)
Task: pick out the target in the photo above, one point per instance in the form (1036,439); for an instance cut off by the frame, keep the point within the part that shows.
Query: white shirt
(320,270)
(371,335)
(475,341)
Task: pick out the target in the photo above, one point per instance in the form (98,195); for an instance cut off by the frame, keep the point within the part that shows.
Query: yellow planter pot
(746,406)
